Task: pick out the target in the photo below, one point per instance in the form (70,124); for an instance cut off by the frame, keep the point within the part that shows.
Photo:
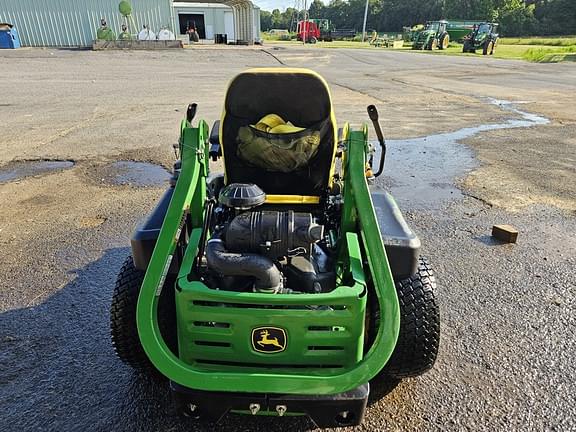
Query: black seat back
(297,95)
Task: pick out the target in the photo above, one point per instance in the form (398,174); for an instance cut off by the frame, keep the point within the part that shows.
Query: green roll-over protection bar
(358,217)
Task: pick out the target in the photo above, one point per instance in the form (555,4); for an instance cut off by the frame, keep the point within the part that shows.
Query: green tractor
(276,288)
(484,36)
(410,33)
(435,35)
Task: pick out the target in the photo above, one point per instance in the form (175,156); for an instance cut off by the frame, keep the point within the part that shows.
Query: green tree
(265,20)
(287,17)
(555,17)
(398,13)
(317,9)
(469,9)
(517,17)
(277,19)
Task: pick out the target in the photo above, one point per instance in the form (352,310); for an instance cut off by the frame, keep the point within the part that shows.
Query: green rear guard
(325,333)
(322,330)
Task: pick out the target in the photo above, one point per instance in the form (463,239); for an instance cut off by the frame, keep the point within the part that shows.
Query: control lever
(191,112)
(373,114)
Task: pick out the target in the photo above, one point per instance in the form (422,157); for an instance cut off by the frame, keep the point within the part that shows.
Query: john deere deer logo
(268,339)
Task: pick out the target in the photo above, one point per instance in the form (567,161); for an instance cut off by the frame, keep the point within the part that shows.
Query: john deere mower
(273,288)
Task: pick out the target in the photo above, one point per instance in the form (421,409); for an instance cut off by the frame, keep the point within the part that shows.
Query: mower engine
(253,248)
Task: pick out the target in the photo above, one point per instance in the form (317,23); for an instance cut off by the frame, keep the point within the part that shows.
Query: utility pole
(365,18)
(305,33)
(295,16)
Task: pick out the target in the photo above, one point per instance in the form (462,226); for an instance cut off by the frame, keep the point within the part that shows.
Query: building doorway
(194,21)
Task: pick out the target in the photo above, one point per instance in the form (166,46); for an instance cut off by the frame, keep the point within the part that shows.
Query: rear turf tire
(419,338)
(123,327)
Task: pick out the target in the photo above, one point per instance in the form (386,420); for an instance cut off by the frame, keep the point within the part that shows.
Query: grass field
(539,40)
(536,49)
(534,53)
(550,55)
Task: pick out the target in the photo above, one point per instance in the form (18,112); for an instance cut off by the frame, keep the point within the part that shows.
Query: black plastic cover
(146,233)
(273,233)
(304,275)
(401,244)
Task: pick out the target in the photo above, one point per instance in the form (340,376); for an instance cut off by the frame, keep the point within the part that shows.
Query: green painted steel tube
(191,182)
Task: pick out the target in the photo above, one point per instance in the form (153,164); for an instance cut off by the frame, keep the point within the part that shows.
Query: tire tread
(419,338)
(123,328)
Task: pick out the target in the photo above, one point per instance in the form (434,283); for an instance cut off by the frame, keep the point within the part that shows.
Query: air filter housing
(242,196)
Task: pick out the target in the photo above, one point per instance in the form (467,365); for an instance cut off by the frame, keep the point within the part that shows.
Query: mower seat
(299,96)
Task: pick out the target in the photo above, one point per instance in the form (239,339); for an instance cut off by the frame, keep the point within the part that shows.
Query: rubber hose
(267,275)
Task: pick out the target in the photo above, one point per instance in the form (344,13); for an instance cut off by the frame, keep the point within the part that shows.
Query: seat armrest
(215,150)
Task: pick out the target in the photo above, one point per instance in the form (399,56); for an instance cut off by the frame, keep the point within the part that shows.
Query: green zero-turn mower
(276,288)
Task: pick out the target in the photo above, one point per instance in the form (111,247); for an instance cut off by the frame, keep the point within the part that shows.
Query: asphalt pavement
(508,310)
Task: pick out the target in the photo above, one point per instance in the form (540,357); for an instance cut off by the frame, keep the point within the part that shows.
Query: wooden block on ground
(505,233)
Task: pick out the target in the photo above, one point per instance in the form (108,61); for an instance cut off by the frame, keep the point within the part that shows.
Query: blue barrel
(8,36)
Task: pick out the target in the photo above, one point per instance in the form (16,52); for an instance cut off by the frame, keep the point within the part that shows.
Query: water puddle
(421,172)
(131,173)
(21,169)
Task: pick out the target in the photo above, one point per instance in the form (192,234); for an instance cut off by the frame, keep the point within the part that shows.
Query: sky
(270,5)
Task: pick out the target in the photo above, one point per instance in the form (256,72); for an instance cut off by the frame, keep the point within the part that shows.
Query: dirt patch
(535,166)
(431,164)
(91,221)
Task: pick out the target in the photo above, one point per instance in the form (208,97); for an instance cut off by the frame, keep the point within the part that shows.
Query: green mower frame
(307,369)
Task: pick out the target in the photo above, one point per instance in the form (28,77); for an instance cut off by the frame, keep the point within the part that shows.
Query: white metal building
(63,23)
(211,19)
(208,18)
(75,22)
